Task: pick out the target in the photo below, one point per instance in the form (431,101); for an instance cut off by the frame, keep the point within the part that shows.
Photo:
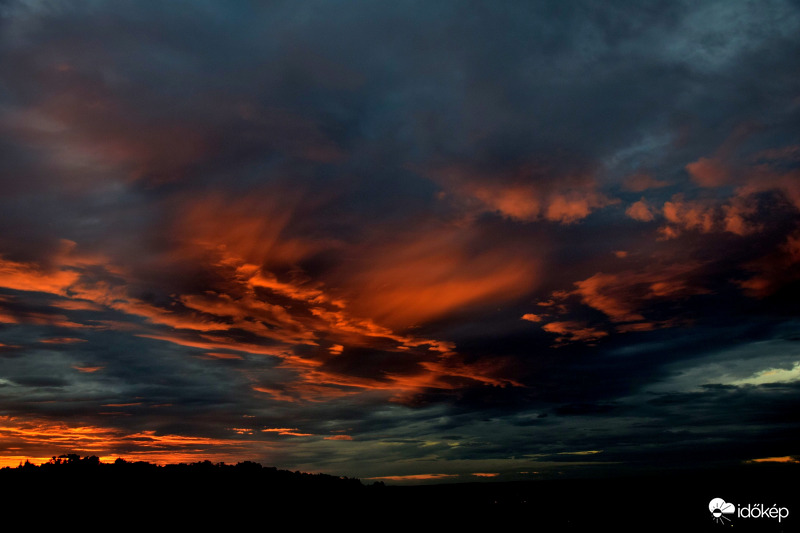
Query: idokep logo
(719,508)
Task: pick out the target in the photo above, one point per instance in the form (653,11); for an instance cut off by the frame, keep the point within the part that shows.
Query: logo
(719,508)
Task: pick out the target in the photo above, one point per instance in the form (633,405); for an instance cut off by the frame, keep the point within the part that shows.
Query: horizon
(408,241)
(740,475)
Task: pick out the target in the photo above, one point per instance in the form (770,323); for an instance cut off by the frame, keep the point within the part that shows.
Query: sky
(407,241)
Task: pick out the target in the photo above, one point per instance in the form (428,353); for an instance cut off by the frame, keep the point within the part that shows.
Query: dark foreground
(99,496)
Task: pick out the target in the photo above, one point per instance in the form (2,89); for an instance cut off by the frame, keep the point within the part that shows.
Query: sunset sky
(407,240)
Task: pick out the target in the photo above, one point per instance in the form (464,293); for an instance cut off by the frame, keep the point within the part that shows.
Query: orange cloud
(641,326)
(88,369)
(602,291)
(76,305)
(414,477)
(158,315)
(62,340)
(621,296)
(211,342)
(38,440)
(572,331)
(487,371)
(771,178)
(784,459)
(397,285)
(427,275)
(31,277)
(640,211)
(253,310)
(572,207)
(255,230)
(526,193)
(582,452)
(448,372)
(339,437)
(292,432)
(736,216)
(690,215)
(221,355)
(277,394)
(709,172)
(33,317)
(250,314)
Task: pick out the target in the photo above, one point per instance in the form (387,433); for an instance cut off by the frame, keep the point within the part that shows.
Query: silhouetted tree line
(74,465)
(204,487)
(206,494)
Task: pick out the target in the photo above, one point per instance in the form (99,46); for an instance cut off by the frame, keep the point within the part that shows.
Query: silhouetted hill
(183,493)
(204,494)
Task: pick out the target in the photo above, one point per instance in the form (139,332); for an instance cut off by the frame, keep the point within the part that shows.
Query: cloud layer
(405,241)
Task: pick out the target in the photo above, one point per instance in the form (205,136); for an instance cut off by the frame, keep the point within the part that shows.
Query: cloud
(62,340)
(765,178)
(642,181)
(425,275)
(708,172)
(571,331)
(771,375)
(739,216)
(528,192)
(783,459)
(602,291)
(414,477)
(292,432)
(625,296)
(333,221)
(89,369)
(640,211)
(30,277)
(582,452)
(774,270)
(49,437)
(690,215)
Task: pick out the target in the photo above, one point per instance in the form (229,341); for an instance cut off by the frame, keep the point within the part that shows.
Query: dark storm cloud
(325,233)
